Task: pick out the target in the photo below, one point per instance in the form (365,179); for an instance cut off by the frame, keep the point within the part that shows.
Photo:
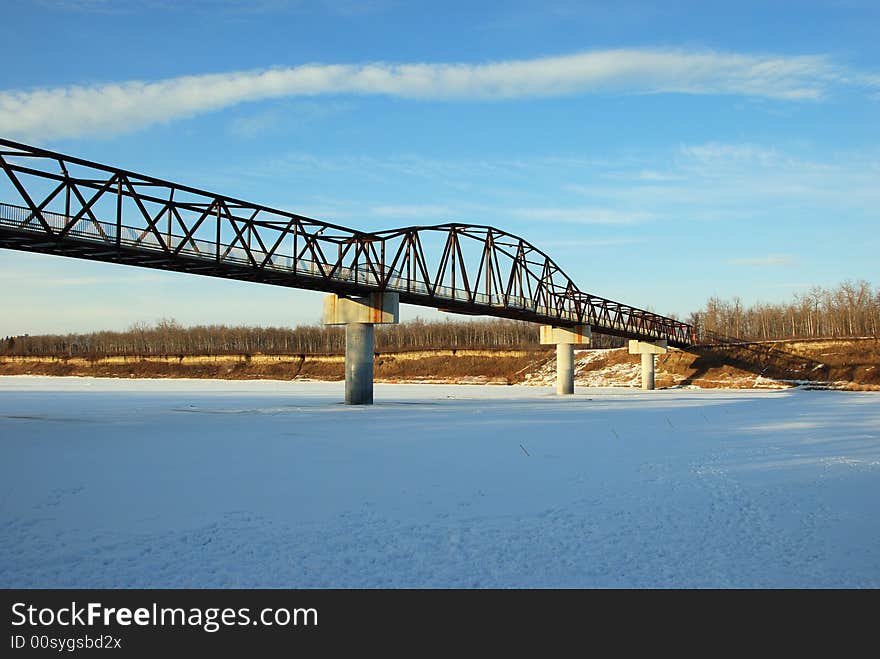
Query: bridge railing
(22,219)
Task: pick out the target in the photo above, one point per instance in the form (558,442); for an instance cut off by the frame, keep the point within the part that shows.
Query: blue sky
(660,152)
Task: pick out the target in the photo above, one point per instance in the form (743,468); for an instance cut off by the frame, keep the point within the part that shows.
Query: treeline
(167,337)
(851,309)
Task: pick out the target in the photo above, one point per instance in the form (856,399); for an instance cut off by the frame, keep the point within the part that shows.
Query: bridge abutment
(359,315)
(564,338)
(647,351)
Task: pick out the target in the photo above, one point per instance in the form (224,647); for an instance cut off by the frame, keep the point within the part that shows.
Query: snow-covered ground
(628,374)
(161,483)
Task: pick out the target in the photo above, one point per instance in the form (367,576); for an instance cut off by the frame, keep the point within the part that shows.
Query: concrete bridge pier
(359,315)
(647,351)
(565,338)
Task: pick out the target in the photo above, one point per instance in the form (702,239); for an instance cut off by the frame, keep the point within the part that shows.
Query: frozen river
(187,483)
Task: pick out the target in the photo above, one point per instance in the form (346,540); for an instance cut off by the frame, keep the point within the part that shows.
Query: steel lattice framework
(72,207)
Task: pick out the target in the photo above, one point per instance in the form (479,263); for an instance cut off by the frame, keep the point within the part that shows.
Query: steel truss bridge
(67,206)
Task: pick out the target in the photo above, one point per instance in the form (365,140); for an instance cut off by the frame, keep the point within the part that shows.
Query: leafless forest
(169,338)
(850,310)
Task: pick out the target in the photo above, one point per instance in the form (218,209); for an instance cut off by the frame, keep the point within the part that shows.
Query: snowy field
(186,483)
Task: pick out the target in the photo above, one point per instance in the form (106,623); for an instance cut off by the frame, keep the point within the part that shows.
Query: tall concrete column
(647,351)
(359,315)
(647,370)
(359,349)
(565,338)
(564,369)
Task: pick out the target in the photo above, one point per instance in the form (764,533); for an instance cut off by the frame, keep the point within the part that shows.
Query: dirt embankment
(838,363)
(442,366)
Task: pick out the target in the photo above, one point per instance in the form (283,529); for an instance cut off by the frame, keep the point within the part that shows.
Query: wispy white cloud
(339,7)
(102,109)
(787,285)
(718,181)
(654,176)
(741,185)
(866,79)
(53,280)
(581,215)
(580,243)
(414,212)
(468,211)
(761,261)
(285,116)
(717,152)
(255,124)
